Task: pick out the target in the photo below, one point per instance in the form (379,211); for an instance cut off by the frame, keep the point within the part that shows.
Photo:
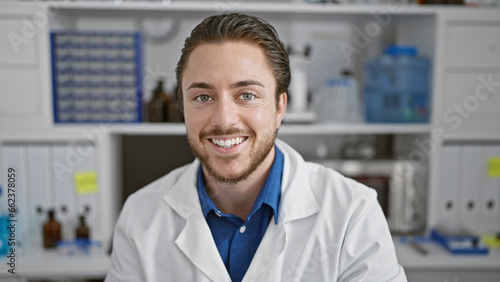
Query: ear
(280,112)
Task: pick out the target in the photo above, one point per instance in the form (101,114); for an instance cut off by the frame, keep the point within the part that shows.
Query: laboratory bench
(437,264)
(55,265)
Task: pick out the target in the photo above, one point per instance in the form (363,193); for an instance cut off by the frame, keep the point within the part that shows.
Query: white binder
(88,202)
(64,190)
(40,190)
(471,186)
(451,182)
(490,202)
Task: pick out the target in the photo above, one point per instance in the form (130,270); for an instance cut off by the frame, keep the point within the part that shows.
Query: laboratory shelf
(354,128)
(437,258)
(286,129)
(257,7)
(52,264)
(149,129)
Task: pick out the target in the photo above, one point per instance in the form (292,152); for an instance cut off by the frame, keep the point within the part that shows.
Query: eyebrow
(238,84)
(203,85)
(247,82)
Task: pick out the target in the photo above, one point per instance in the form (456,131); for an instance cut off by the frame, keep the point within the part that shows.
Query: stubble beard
(258,154)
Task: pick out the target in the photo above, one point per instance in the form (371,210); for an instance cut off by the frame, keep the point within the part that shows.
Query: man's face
(230,109)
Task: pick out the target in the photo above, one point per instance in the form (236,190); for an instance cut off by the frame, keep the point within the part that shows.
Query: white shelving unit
(286,129)
(435,30)
(339,129)
(264,7)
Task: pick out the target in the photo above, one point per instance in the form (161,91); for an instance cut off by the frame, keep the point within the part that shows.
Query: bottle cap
(346,72)
(398,50)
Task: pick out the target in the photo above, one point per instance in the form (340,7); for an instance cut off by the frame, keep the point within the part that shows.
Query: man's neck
(239,198)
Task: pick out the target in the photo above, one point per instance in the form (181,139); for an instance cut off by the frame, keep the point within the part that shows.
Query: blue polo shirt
(238,240)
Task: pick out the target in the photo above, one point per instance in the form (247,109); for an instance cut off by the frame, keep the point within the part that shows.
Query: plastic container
(4,232)
(4,235)
(338,101)
(397,87)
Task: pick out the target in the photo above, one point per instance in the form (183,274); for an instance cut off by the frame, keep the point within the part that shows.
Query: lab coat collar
(195,240)
(297,198)
(297,201)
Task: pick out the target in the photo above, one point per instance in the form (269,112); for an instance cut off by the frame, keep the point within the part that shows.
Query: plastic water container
(397,87)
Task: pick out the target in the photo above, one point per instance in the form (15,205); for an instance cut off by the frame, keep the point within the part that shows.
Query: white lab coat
(330,228)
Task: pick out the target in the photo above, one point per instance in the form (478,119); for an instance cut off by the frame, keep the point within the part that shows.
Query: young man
(249,208)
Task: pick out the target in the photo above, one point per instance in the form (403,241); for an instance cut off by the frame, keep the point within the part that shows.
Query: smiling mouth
(227,143)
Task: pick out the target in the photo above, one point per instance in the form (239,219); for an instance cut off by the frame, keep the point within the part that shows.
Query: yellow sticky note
(86,182)
(494,167)
(492,241)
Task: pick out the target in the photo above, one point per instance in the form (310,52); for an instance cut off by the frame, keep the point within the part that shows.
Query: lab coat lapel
(297,197)
(195,240)
(270,248)
(297,201)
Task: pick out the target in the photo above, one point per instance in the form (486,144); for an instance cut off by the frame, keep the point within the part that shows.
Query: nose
(225,113)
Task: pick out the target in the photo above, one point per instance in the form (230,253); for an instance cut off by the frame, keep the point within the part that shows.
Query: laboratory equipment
(82,231)
(459,243)
(51,231)
(96,76)
(4,234)
(159,105)
(397,87)
(339,101)
(298,110)
(400,186)
(78,246)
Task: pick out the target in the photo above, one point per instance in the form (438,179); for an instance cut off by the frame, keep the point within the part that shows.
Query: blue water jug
(397,87)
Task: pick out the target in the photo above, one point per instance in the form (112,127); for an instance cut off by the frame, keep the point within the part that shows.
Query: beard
(258,153)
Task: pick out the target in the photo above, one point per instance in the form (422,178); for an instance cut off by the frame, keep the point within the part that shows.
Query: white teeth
(228,143)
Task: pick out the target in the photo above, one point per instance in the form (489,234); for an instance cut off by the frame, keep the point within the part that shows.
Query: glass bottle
(82,232)
(174,111)
(159,104)
(51,231)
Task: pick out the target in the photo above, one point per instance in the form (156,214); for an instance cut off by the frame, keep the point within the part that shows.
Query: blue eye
(203,98)
(247,96)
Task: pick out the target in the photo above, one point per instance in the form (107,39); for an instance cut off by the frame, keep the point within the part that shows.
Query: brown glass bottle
(174,111)
(51,231)
(159,104)
(83,231)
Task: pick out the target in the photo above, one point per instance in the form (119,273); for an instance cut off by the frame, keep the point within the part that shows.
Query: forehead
(227,62)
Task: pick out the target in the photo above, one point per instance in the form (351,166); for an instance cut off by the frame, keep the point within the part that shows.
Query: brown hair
(239,27)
